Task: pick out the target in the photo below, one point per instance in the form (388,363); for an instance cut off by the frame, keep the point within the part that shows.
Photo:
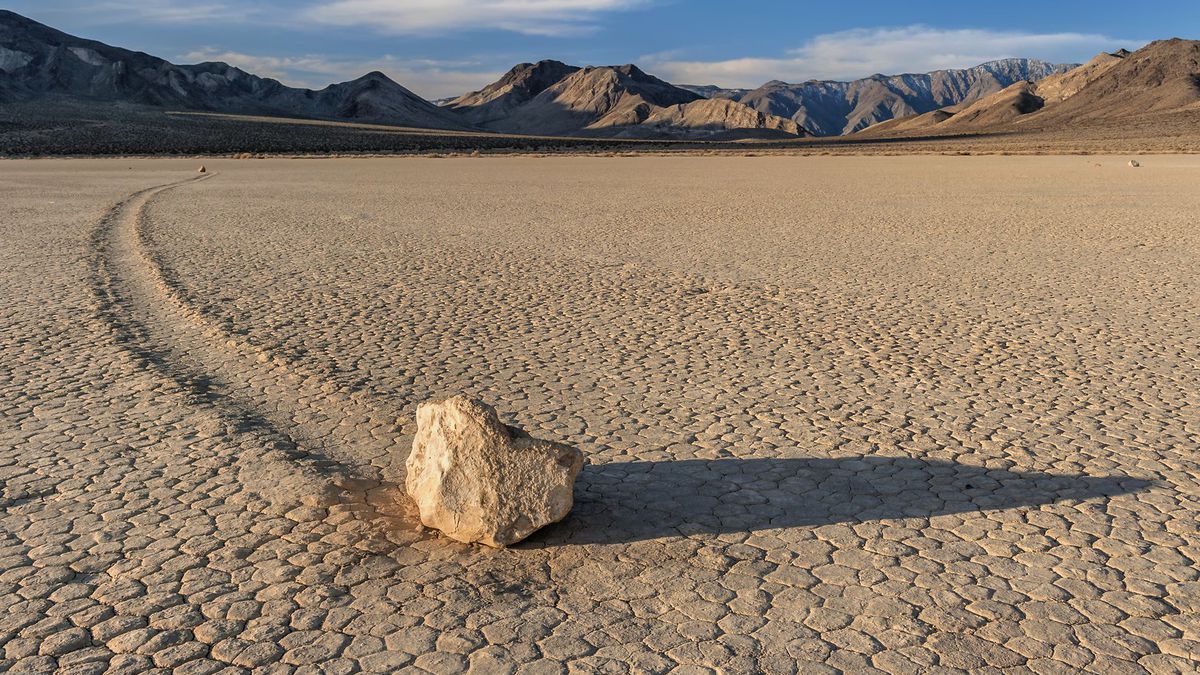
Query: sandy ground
(902,413)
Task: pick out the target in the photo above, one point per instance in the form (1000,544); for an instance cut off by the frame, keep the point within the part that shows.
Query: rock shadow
(634,501)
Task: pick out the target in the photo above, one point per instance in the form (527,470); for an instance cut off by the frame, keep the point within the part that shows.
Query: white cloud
(426,77)
(864,51)
(415,17)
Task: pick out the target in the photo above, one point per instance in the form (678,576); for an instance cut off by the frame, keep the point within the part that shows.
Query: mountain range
(831,108)
(43,70)
(550,97)
(39,61)
(1121,88)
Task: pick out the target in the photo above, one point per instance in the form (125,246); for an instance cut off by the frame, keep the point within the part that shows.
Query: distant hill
(830,108)
(1162,76)
(714,91)
(491,106)
(1159,79)
(550,97)
(37,61)
(717,117)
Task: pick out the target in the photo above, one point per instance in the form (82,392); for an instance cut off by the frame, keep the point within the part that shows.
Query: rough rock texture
(478,480)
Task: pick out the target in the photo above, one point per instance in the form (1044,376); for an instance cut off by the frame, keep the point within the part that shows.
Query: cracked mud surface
(903,414)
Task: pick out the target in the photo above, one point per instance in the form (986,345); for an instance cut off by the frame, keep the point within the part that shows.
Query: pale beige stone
(479,481)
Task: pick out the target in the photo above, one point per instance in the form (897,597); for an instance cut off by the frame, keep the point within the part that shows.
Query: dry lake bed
(838,413)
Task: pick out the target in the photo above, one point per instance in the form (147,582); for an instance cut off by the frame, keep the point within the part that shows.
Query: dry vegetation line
(313,440)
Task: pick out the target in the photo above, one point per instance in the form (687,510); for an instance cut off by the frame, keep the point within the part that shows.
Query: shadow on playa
(633,501)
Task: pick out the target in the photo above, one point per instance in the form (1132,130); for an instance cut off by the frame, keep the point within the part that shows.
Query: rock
(1134,163)
(202,169)
(478,480)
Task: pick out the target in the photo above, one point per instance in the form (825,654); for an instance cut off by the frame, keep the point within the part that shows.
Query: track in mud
(305,444)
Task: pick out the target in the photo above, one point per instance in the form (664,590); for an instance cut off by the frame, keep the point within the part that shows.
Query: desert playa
(907,414)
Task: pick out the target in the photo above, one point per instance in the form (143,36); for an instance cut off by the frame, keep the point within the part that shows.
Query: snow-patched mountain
(830,108)
(714,91)
(550,97)
(39,61)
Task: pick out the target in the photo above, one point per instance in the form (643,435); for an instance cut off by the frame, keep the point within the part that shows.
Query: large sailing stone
(478,480)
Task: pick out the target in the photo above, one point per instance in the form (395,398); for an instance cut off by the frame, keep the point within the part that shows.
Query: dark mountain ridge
(36,61)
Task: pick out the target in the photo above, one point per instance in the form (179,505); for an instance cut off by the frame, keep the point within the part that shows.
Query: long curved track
(316,441)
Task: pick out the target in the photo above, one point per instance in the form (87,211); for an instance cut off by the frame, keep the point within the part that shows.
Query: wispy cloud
(419,17)
(864,51)
(390,17)
(169,11)
(427,77)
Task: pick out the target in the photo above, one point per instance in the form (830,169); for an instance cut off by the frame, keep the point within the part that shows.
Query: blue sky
(446,47)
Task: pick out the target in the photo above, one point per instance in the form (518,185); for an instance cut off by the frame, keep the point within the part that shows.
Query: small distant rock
(202,169)
(1134,163)
(479,481)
